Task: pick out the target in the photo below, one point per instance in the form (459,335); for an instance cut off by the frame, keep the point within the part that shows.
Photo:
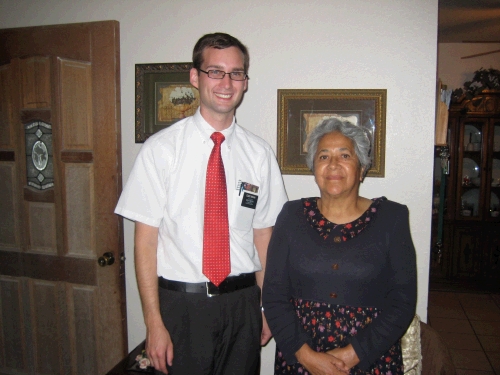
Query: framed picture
(163,96)
(300,111)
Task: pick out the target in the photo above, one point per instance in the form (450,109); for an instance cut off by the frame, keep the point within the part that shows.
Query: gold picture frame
(299,110)
(163,96)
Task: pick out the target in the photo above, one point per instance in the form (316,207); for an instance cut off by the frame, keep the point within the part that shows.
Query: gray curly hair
(358,135)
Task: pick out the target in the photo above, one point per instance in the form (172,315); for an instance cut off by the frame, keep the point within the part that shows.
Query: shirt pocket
(242,217)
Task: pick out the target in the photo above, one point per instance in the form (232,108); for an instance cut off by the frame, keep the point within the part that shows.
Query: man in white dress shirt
(193,326)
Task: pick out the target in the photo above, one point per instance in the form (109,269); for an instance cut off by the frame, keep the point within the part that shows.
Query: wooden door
(467,252)
(60,177)
(491,256)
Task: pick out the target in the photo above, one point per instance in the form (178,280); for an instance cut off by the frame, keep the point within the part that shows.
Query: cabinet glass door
(470,174)
(494,179)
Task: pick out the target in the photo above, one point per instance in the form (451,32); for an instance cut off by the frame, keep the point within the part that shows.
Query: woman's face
(336,166)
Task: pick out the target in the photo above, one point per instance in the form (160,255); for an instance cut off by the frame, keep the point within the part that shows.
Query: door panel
(8,230)
(46,317)
(42,227)
(76,104)
(467,254)
(13,355)
(60,175)
(491,255)
(35,82)
(84,308)
(6,133)
(79,206)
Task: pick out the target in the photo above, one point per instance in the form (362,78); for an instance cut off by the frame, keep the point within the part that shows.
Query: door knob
(107,259)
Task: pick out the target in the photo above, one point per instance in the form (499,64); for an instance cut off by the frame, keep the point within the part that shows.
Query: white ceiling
(469,21)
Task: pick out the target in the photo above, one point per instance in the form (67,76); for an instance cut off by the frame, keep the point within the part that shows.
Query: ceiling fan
(482,53)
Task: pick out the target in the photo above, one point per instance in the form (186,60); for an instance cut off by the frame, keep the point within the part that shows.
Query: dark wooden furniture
(471,238)
(436,358)
(125,365)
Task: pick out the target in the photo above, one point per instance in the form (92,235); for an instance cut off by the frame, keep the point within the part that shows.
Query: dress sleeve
(276,294)
(399,299)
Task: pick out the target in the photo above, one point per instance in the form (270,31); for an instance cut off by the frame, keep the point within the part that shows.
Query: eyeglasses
(219,74)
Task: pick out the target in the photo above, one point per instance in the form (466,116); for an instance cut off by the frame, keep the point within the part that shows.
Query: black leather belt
(230,284)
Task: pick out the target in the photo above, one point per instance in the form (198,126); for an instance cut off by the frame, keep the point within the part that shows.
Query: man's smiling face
(219,97)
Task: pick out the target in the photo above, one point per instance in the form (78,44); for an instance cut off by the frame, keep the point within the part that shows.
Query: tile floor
(470,324)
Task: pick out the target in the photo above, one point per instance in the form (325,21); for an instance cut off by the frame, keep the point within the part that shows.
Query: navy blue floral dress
(331,325)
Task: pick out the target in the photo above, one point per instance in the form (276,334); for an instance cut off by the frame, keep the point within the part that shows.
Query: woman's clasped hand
(321,363)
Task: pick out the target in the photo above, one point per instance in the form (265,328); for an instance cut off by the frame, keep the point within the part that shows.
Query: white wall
(454,71)
(317,44)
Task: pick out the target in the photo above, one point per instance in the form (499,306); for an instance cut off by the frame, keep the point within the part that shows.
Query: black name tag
(249,200)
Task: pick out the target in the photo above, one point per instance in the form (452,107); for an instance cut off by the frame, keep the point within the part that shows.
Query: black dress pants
(217,335)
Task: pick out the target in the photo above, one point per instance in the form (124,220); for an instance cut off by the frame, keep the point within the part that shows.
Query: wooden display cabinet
(471,238)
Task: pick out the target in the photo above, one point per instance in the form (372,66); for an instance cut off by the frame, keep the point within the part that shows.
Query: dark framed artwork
(163,96)
(299,111)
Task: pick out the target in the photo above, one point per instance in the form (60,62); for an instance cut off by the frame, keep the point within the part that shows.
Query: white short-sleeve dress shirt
(166,189)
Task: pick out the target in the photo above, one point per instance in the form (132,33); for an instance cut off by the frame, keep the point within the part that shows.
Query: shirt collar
(206,129)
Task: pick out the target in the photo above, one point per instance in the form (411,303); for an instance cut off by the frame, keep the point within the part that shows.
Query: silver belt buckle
(208,290)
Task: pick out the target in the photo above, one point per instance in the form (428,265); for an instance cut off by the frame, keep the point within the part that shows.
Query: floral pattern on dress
(325,228)
(330,326)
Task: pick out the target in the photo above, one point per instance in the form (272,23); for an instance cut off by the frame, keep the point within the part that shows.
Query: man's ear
(193,77)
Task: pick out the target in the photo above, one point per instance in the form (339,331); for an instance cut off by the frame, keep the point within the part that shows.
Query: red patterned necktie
(216,262)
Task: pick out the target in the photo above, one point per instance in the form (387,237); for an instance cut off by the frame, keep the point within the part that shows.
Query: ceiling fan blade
(481,54)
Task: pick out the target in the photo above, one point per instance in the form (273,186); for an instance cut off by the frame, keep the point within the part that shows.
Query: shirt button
(335,266)
(337,239)
(333,295)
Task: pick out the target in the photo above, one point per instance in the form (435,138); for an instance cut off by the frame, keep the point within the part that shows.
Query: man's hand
(159,348)
(261,239)
(266,334)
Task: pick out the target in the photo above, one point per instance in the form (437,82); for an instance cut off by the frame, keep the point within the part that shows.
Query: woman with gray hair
(340,281)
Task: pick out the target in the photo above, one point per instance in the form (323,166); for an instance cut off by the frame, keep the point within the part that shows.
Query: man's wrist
(153,320)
